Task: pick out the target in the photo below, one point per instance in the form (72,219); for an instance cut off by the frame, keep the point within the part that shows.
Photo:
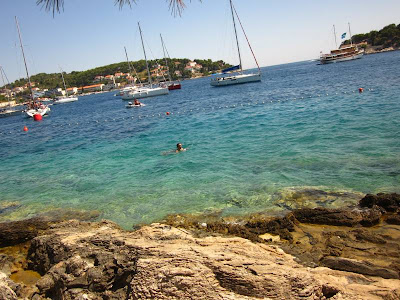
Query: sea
(304,127)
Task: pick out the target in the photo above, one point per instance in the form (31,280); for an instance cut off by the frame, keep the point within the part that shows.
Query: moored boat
(147,91)
(344,53)
(235,74)
(41,110)
(10,110)
(170,84)
(34,107)
(67,98)
(174,86)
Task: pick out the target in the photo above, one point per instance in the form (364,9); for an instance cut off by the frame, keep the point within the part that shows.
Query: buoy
(25,128)
(167,113)
(37,117)
(360,90)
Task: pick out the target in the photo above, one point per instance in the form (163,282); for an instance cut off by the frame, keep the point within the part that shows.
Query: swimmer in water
(179,148)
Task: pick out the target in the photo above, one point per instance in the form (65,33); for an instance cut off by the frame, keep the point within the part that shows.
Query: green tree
(389,36)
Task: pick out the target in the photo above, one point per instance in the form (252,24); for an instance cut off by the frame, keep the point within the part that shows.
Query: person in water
(179,148)
(136,102)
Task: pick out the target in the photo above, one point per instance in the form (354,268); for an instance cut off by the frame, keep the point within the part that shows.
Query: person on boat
(136,102)
(179,148)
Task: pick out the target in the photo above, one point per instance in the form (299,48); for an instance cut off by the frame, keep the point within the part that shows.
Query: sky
(93,33)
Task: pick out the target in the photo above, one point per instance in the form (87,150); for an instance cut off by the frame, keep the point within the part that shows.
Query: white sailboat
(7,111)
(34,107)
(148,91)
(131,86)
(66,98)
(235,74)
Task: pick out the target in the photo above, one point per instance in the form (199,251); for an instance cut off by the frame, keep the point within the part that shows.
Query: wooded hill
(83,78)
(389,36)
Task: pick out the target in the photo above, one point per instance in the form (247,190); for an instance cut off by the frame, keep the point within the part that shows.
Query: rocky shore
(318,253)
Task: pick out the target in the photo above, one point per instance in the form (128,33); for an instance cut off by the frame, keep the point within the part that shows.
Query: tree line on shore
(388,36)
(83,78)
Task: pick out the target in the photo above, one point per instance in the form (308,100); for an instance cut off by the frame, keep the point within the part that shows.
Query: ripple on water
(240,159)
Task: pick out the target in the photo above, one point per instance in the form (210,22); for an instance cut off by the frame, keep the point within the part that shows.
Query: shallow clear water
(97,155)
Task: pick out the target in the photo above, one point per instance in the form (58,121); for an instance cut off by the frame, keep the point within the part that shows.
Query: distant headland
(386,39)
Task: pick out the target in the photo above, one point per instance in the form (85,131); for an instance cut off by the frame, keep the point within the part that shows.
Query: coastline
(333,253)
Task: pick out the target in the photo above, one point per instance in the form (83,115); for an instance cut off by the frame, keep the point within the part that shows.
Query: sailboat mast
(23,54)
(127,60)
(334,33)
(351,37)
(145,57)
(237,41)
(3,74)
(165,58)
(62,76)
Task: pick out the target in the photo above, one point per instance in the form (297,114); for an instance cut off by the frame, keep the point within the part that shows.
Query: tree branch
(56,6)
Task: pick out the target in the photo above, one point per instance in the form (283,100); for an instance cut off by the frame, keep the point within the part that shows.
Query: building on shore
(193,67)
(72,90)
(92,88)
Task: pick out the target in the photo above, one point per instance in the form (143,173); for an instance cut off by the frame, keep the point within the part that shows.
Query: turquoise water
(97,155)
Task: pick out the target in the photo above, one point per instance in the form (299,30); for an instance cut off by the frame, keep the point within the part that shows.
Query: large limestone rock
(100,261)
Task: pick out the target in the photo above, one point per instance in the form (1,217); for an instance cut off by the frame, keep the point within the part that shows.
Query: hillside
(78,79)
(389,36)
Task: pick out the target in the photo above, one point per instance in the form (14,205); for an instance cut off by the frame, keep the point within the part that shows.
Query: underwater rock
(6,207)
(311,197)
(338,217)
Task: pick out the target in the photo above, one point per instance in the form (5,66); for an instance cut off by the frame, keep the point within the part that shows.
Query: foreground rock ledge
(80,260)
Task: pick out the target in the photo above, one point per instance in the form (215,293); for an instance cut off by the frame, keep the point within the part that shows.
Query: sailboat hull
(9,112)
(65,100)
(235,79)
(174,86)
(40,111)
(145,93)
(324,61)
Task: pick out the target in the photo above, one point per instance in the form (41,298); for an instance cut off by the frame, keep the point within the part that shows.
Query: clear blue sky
(92,33)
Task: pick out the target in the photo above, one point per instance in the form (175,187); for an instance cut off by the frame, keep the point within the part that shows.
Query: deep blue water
(304,125)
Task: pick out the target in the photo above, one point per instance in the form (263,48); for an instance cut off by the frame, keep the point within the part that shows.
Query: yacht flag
(343,35)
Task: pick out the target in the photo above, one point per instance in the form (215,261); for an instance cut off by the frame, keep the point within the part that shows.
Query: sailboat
(129,87)
(66,98)
(344,53)
(8,111)
(148,91)
(171,84)
(34,107)
(235,74)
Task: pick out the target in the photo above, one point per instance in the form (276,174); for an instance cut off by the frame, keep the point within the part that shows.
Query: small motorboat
(131,105)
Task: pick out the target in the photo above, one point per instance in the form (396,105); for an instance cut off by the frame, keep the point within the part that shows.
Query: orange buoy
(37,117)
(25,128)
(167,113)
(360,90)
